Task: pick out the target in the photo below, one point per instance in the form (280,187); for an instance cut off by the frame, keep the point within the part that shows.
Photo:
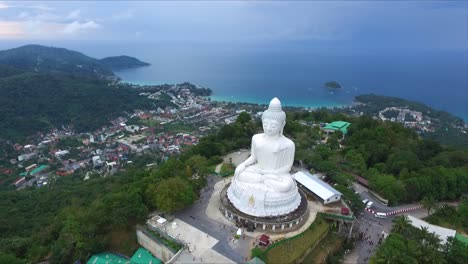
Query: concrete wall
(158,249)
(334,198)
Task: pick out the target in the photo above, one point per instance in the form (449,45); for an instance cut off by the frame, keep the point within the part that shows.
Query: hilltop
(42,59)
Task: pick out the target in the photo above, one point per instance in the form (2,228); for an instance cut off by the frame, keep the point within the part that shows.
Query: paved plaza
(210,236)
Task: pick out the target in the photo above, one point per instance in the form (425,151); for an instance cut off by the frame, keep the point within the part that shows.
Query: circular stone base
(288,222)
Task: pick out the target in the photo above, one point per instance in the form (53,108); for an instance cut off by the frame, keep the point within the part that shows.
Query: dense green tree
(388,186)
(243,118)
(171,194)
(398,161)
(395,250)
(429,203)
(400,224)
(463,212)
(32,103)
(426,149)
(355,160)
(10,259)
(455,251)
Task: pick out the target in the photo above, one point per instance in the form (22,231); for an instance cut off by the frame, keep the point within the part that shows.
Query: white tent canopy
(315,185)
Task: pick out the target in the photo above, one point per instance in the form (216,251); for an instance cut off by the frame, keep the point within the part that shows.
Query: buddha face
(271,127)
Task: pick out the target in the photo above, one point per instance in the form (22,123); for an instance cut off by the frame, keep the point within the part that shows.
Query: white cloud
(123,16)
(75,14)
(36,28)
(23,15)
(9,30)
(39,7)
(76,26)
(4,5)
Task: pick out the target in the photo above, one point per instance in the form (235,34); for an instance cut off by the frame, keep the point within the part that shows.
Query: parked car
(380,215)
(344,211)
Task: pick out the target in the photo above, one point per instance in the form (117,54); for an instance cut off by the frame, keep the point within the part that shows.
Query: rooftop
(107,258)
(462,238)
(256,261)
(143,256)
(317,186)
(38,169)
(338,125)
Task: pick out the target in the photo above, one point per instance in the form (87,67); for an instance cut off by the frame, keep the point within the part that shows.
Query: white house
(320,188)
(61,153)
(132,128)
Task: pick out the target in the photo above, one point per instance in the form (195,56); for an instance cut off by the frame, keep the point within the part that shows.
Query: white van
(380,215)
(369,204)
(365,201)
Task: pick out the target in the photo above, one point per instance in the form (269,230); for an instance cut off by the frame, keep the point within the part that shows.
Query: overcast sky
(396,24)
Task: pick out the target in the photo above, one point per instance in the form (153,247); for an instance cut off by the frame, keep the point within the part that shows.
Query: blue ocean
(296,72)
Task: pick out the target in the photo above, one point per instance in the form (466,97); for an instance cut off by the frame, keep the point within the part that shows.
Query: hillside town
(160,133)
(408,118)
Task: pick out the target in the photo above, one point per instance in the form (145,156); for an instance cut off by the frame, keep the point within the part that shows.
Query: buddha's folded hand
(239,169)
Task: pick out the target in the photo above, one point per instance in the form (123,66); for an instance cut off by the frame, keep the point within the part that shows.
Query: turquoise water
(263,100)
(295,72)
(296,75)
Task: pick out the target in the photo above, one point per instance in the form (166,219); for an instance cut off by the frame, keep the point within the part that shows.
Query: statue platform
(284,223)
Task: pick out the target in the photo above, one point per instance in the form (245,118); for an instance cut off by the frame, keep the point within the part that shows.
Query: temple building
(337,126)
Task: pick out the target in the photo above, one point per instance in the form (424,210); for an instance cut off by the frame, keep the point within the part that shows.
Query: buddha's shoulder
(287,141)
(283,140)
(257,136)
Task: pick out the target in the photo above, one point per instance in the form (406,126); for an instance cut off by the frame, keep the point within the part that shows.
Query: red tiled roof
(265,239)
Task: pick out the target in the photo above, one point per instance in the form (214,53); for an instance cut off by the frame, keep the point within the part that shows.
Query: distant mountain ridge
(42,59)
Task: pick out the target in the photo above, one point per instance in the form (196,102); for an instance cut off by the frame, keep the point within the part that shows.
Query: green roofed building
(462,238)
(337,125)
(143,256)
(256,261)
(38,169)
(107,258)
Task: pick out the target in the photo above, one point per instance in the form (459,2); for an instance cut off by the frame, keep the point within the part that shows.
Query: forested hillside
(41,59)
(32,103)
(71,219)
(399,164)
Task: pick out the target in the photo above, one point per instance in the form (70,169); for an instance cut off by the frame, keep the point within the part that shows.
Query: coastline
(252,99)
(284,102)
(309,105)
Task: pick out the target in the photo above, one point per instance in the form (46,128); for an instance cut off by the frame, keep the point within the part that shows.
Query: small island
(122,62)
(332,85)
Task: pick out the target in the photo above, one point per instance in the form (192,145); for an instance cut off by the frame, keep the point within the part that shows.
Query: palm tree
(429,203)
(401,224)
(385,255)
(433,240)
(424,233)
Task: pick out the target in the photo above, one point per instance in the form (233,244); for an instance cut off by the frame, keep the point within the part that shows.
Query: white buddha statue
(262,185)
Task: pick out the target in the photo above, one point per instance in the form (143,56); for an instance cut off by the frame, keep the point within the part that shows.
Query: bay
(297,75)
(295,72)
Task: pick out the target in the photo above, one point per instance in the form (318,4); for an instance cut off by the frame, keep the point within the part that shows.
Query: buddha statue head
(274,118)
